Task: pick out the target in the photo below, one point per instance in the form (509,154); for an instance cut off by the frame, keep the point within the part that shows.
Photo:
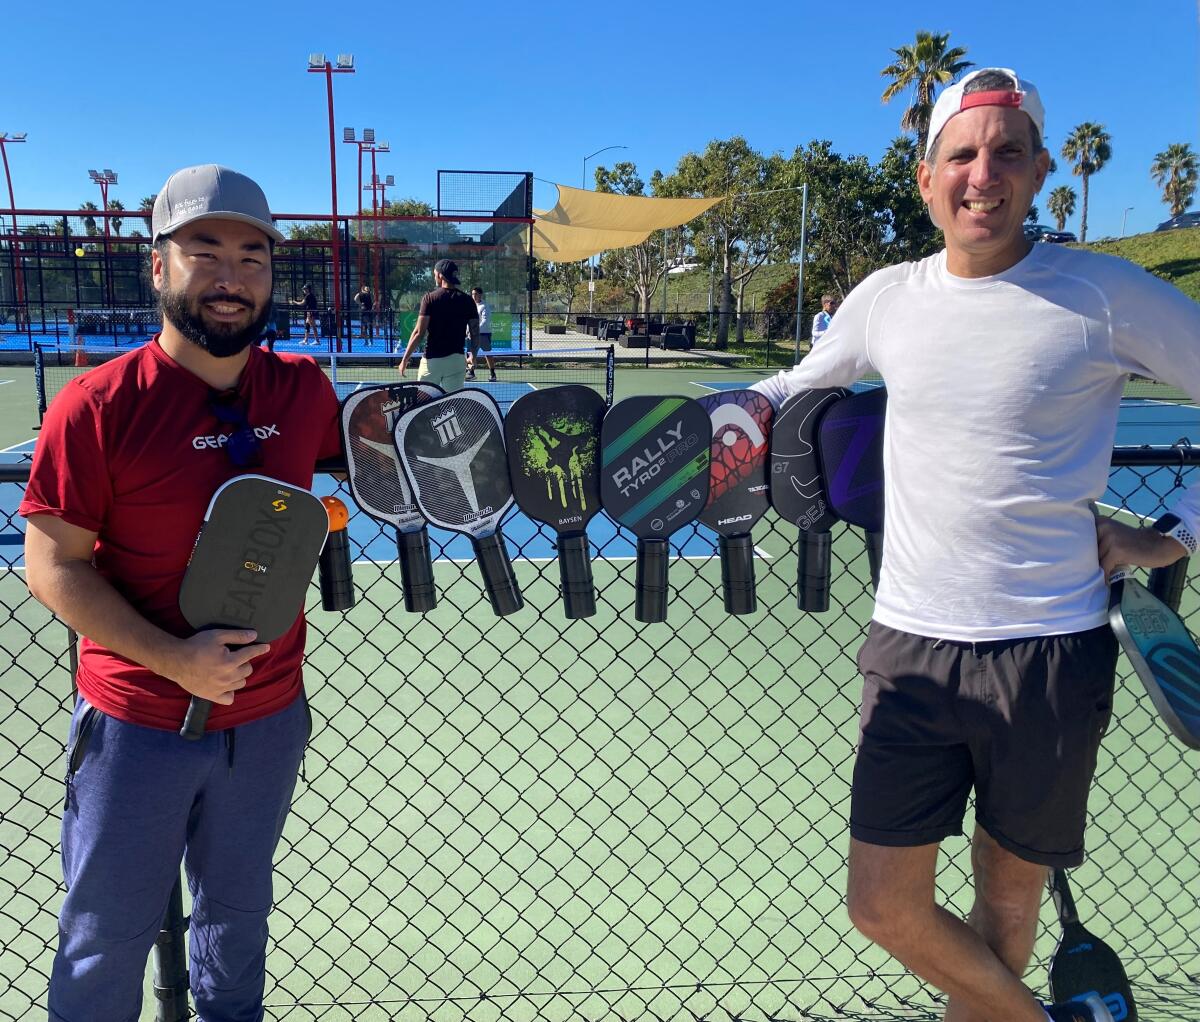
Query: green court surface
(529,818)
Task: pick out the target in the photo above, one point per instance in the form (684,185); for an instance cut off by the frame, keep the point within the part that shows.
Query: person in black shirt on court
(309,301)
(446,314)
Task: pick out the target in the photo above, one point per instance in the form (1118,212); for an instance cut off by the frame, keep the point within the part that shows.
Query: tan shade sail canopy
(584,223)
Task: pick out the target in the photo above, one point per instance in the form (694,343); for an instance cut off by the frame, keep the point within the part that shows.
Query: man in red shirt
(128,457)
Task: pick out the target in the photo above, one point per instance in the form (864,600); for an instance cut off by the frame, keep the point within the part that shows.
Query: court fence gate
(534,819)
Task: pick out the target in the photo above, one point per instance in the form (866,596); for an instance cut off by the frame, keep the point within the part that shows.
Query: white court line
(17,447)
(1125,511)
(3,382)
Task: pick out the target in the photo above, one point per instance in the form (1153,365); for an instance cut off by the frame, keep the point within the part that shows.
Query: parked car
(1040,232)
(1191,219)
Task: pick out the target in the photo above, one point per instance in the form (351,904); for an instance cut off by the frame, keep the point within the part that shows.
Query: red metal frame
(19,281)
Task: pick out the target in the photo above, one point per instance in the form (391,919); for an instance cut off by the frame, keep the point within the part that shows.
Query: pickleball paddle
(250,568)
(553,442)
(850,447)
(655,455)
(1082,964)
(452,451)
(737,494)
(368,418)
(798,491)
(1162,651)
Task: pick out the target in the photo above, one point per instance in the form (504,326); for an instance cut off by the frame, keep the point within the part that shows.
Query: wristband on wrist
(1171,525)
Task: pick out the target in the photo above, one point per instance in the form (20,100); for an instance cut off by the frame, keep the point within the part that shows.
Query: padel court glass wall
(533,819)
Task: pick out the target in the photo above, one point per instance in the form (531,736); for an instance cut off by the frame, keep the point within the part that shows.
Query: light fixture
(345,61)
(316,60)
(368,135)
(348,135)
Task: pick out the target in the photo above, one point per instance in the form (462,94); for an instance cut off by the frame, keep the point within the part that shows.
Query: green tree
(742,232)
(1061,204)
(923,66)
(560,281)
(89,222)
(1088,148)
(1174,170)
(116,206)
(146,207)
(640,267)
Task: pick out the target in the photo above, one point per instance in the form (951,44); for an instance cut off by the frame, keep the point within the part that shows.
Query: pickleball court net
(517,372)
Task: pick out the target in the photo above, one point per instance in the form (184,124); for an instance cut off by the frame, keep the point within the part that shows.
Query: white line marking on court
(21,447)
(3,382)
(702,386)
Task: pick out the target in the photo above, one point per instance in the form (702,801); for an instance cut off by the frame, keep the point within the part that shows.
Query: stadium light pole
(800,266)
(591,263)
(1123,216)
(317,64)
(18,269)
(104,178)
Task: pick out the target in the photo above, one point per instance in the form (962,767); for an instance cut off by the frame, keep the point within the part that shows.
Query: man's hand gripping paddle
(251,565)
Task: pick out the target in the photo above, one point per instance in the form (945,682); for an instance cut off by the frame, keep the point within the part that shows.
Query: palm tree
(116,206)
(925,65)
(1061,204)
(147,206)
(89,222)
(1175,171)
(1088,148)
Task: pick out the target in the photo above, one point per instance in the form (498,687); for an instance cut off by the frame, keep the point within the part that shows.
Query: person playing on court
(128,457)
(309,301)
(989,664)
(444,319)
(821,321)
(485,337)
(366,305)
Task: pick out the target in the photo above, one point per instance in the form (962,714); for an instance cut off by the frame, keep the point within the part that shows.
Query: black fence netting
(528,818)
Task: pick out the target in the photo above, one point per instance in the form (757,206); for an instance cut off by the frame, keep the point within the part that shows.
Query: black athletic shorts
(1018,720)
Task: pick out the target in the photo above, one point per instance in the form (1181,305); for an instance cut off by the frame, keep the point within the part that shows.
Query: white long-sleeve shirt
(1003,396)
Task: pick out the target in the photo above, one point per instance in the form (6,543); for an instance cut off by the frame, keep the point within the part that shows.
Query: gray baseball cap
(211,192)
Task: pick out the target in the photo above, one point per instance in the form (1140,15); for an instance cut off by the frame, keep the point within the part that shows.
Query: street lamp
(1123,216)
(104,178)
(18,268)
(317,64)
(591,263)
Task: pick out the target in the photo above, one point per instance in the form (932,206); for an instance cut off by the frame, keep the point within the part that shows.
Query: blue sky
(147,88)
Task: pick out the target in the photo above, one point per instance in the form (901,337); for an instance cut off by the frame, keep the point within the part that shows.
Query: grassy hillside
(1172,255)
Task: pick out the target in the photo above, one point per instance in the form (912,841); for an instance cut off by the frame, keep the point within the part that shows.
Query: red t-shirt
(131,451)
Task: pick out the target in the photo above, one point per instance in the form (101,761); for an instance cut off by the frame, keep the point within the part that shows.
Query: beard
(221,340)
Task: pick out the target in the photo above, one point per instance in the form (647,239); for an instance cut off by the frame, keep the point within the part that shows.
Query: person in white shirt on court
(821,321)
(485,338)
(989,664)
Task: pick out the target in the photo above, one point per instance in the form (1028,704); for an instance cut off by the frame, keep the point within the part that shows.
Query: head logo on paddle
(553,440)
(738,491)
(655,454)
(368,420)
(452,452)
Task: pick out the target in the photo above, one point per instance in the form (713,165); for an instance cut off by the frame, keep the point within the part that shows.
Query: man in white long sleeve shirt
(989,664)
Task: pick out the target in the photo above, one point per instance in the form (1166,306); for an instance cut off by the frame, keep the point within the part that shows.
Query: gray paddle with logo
(452,452)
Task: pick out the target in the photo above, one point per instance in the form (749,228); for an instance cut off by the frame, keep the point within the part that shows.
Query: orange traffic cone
(80,358)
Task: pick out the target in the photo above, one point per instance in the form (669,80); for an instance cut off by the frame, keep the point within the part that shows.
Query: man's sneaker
(1090,1009)
(492,378)
(470,374)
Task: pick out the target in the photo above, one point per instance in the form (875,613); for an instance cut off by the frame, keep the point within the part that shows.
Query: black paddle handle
(874,556)
(196,720)
(1167,583)
(416,571)
(499,579)
(737,574)
(813,551)
(1060,890)
(653,556)
(575,570)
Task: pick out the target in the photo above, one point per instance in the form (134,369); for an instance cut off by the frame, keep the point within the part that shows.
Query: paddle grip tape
(335,573)
(737,574)
(813,557)
(196,720)
(575,570)
(499,580)
(653,556)
(416,571)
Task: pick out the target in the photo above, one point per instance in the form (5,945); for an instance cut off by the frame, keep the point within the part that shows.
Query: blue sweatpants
(138,801)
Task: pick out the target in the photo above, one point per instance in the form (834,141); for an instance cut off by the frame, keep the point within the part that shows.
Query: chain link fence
(529,818)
